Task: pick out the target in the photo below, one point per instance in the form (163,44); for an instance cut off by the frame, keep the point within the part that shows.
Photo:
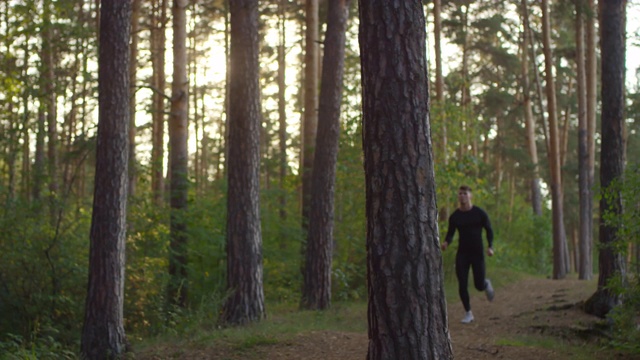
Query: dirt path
(521,313)
(516,325)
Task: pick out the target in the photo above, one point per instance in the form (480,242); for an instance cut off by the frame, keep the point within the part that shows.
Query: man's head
(464,196)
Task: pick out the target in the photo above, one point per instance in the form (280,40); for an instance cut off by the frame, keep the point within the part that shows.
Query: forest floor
(533,319)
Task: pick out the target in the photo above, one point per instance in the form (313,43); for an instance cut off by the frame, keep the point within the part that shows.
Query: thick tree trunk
(245,303)
(178,128)
(316,291)
(407,308)
(559,235)
(611,259)
(103,335)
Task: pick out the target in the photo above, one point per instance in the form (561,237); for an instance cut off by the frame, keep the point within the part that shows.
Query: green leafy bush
(626,317)
(43,267)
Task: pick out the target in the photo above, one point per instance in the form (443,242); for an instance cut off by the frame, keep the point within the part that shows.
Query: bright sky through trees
(212,72)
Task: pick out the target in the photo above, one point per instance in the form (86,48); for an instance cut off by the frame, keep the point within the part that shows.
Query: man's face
(464,197)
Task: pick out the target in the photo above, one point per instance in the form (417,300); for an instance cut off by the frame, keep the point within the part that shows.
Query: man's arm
(489,230)
(449,238)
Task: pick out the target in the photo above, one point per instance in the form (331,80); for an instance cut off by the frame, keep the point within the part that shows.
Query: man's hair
(464,188)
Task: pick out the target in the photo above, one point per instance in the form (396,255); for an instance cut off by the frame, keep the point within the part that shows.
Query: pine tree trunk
(310,122)
(536,195)
(559,235)
(245,303)
(103,335)
(611,259)
(316,291)
(591,74)
(407,309)
(179,156)
(584,234)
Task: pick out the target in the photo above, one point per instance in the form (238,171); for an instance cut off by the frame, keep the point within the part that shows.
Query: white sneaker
(488,289)
(468,317)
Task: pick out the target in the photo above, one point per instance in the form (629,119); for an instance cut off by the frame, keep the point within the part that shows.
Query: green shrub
(43,275)
(626,317)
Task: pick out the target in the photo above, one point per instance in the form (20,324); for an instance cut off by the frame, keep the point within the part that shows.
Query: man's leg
(462,272)
(478,267)
(480,281)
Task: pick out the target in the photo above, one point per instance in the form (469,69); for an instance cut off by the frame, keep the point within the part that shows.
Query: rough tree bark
(316,290)
(407,309)
(103,335)
(245,303)
(612,48)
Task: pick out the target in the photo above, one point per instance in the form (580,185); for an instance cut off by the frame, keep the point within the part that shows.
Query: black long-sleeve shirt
(469,225)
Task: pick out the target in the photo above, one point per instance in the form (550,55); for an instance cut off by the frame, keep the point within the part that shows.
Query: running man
(469,220)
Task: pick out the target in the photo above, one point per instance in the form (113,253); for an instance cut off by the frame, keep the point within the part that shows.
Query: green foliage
(525,242)
(47,347)
(281,241)
(626,317)
(146,266)
(43,264)
(522,241)
(206,249)
(42,275)
(147,309)
(349,251)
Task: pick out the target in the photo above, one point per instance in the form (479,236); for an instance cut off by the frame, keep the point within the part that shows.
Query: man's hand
(444,245)
(490,251)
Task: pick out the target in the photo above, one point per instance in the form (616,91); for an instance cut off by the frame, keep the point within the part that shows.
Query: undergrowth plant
(626,317)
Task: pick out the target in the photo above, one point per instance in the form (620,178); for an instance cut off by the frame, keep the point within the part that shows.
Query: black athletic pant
(464,261)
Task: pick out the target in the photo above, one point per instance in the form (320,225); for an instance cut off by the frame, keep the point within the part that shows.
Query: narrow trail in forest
(519,324)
